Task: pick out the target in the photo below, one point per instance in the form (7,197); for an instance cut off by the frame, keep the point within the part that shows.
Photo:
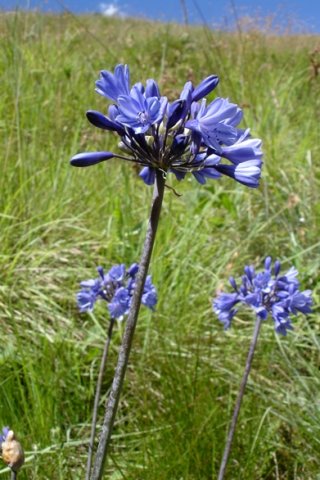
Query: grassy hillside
(58,223)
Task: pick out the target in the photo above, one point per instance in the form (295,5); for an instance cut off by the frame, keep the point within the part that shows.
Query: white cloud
(110,10)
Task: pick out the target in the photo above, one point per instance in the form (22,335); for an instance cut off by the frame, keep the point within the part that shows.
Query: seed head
(12,452)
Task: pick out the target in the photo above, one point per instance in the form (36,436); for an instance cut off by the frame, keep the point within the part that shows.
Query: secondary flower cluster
(116,288)
(266,292)
(184,136)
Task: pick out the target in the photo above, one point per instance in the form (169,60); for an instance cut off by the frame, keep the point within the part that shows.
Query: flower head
(116,288)
(140,112)
(184,136)
(11,450)
(267,293)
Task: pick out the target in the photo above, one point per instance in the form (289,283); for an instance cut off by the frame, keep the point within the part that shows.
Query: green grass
(58,223)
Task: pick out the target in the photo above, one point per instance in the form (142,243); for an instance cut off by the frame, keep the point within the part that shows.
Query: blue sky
(304,15)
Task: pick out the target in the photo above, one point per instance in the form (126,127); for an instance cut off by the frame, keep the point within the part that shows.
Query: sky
(301,16)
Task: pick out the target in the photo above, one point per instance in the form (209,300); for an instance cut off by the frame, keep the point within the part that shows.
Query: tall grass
(58,223)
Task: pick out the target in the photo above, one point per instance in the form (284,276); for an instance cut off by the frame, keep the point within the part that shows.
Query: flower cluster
(116,288)
(266,292)
(184,136)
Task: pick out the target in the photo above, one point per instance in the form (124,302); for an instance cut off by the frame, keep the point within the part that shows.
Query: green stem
(235,415)
(131,322)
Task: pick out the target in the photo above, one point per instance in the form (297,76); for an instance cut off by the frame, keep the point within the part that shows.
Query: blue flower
(117,273)
(116,288)
(183,136)
(139,112)
(4,434)
(120,303)
(149,295)
(216,123)
(89,294)
(223,306)
(113,85)
(267,293)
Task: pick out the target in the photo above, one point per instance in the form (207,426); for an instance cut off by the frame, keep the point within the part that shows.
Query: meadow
(57,223)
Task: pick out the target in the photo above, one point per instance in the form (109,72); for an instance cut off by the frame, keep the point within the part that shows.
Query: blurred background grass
(58,223)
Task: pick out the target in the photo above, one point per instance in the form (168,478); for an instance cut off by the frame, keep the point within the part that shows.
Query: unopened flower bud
(162,129)
(177,125)
(12,452)
(169,141)
(123,147)
(149,140)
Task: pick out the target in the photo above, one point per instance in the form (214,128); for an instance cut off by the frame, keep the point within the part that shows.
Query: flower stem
(97,396)
(14,475)
(239,399)
(131,321)
(185,12)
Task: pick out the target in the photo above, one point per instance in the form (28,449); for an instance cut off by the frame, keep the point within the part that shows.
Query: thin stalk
(97,397)
(14,475)
(130,326)
(184,11)
(235,415)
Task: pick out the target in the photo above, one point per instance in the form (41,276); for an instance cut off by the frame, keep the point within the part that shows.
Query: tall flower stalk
(267,293)
(131,322)
(237,407)
(186,136)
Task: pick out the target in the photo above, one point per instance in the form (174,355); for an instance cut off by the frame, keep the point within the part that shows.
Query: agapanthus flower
(115,288)
(3,434)
(267,293)
(184,136)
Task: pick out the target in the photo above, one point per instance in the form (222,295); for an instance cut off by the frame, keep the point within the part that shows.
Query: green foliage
(58,223)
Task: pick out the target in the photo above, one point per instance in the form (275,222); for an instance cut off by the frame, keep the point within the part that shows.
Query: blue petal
(198,175)
(116,273)
(248,173)
(205,87)
(248,149)
(152,88)
(179,144)
(113,85)
(149,297)
(186,95)
(133,270)
(175,113)
(267,263)
(148,175)
(86,300)
(179,175)
(120,303)
(101,121)
(277,267)
(87,159)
